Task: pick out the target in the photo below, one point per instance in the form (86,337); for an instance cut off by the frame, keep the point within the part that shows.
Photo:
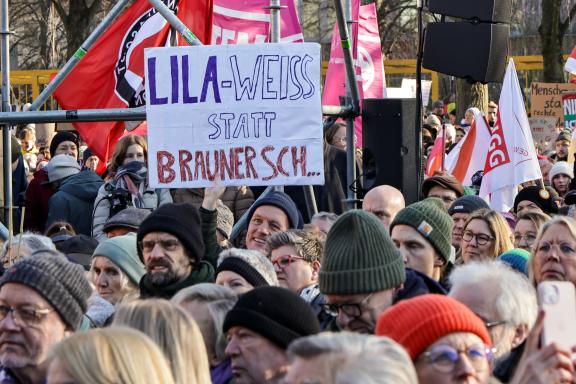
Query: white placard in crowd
(246,114)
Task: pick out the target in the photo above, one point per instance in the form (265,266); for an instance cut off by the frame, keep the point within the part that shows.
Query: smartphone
(558,299)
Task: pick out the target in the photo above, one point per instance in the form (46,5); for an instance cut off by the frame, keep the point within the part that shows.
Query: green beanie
(122,251)
(430,219)
(359,257)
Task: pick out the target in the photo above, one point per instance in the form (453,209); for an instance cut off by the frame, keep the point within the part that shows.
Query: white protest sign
(246,114)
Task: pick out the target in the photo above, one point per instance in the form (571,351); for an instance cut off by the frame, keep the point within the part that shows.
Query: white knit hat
(561,167)
(62,166)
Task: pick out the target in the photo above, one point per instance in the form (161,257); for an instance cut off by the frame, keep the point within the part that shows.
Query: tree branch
(566,23)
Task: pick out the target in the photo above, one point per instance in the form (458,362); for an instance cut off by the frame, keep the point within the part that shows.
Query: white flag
(469,155)
(511,158)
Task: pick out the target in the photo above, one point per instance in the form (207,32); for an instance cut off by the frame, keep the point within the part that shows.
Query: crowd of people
(113,281)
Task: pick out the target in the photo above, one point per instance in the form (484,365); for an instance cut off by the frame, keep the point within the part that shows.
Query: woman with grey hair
(242,270)
(24,245)
(345,357)
(208,305)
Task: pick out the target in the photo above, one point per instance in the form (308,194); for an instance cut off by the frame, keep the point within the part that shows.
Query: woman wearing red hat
(447,342)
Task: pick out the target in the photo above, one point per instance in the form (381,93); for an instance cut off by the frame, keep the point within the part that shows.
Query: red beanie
(418,322)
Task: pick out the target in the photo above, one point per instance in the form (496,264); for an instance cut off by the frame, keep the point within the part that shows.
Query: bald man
(385,202)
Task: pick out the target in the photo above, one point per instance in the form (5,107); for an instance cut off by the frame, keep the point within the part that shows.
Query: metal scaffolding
(349,111)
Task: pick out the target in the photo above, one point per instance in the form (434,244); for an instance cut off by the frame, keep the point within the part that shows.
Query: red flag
(111,75)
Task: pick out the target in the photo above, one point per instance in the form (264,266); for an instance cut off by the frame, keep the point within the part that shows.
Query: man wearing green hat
(361,271)
(422,232)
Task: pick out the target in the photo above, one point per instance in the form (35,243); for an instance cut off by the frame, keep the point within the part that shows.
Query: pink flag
(369,55)
(511,158)
(469,155)
(335,83)
(436,155)
(248,21)
(367,58)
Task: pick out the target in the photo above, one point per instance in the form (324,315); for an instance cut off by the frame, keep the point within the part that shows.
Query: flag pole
(6,140)
(78,55)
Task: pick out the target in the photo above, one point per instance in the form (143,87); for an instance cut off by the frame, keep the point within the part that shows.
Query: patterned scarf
(129,178)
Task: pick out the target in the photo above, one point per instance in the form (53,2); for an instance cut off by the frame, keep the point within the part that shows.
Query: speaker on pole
(482,32)
(390,153)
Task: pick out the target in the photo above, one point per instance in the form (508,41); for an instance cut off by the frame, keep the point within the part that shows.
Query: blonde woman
(112,355)
(486,235)
(174,331)
(554,252)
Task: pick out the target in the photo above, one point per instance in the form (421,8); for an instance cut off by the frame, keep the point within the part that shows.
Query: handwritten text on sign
(246,114)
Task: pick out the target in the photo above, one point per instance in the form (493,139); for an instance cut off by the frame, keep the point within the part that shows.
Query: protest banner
(546,99)
(248,22)
(245,114)
(569,107)
(544,132)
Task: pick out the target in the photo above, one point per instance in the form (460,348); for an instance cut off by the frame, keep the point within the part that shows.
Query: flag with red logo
(436,155)
(469,155)
(248,22)
(570,65)
(511,159)
(111,75)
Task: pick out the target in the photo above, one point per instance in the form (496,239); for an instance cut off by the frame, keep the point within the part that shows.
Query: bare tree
(554,25)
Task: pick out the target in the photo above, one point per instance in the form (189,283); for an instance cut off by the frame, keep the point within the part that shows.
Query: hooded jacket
(74,200)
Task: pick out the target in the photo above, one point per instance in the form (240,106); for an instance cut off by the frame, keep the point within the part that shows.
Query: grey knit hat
(122,251)
(359,257)
(430,219)
(59,281)
(225,219)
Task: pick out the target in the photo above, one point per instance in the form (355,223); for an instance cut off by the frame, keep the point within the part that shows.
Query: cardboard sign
(546,99)
(243,114)
(544,132)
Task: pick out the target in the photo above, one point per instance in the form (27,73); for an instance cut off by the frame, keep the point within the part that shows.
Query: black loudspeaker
(481,56)
(390,140)
(496,11)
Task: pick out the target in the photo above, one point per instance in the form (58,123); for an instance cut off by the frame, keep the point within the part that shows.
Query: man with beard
(259,328)
(171,247)
(361,271)
(42,301)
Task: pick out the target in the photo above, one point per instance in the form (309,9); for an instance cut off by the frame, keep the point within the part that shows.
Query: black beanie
(181,220)
(285,203)
(274,313)
(57,280)
(239,266)
(467,204)
(60,137)
(534,194)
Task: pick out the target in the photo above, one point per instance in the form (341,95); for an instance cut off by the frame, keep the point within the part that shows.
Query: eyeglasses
(286,260)
(491,324)
(564,248)
(350,309)
(25,316)
(445,357)
(481,238)
(528,238)
(168,245)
